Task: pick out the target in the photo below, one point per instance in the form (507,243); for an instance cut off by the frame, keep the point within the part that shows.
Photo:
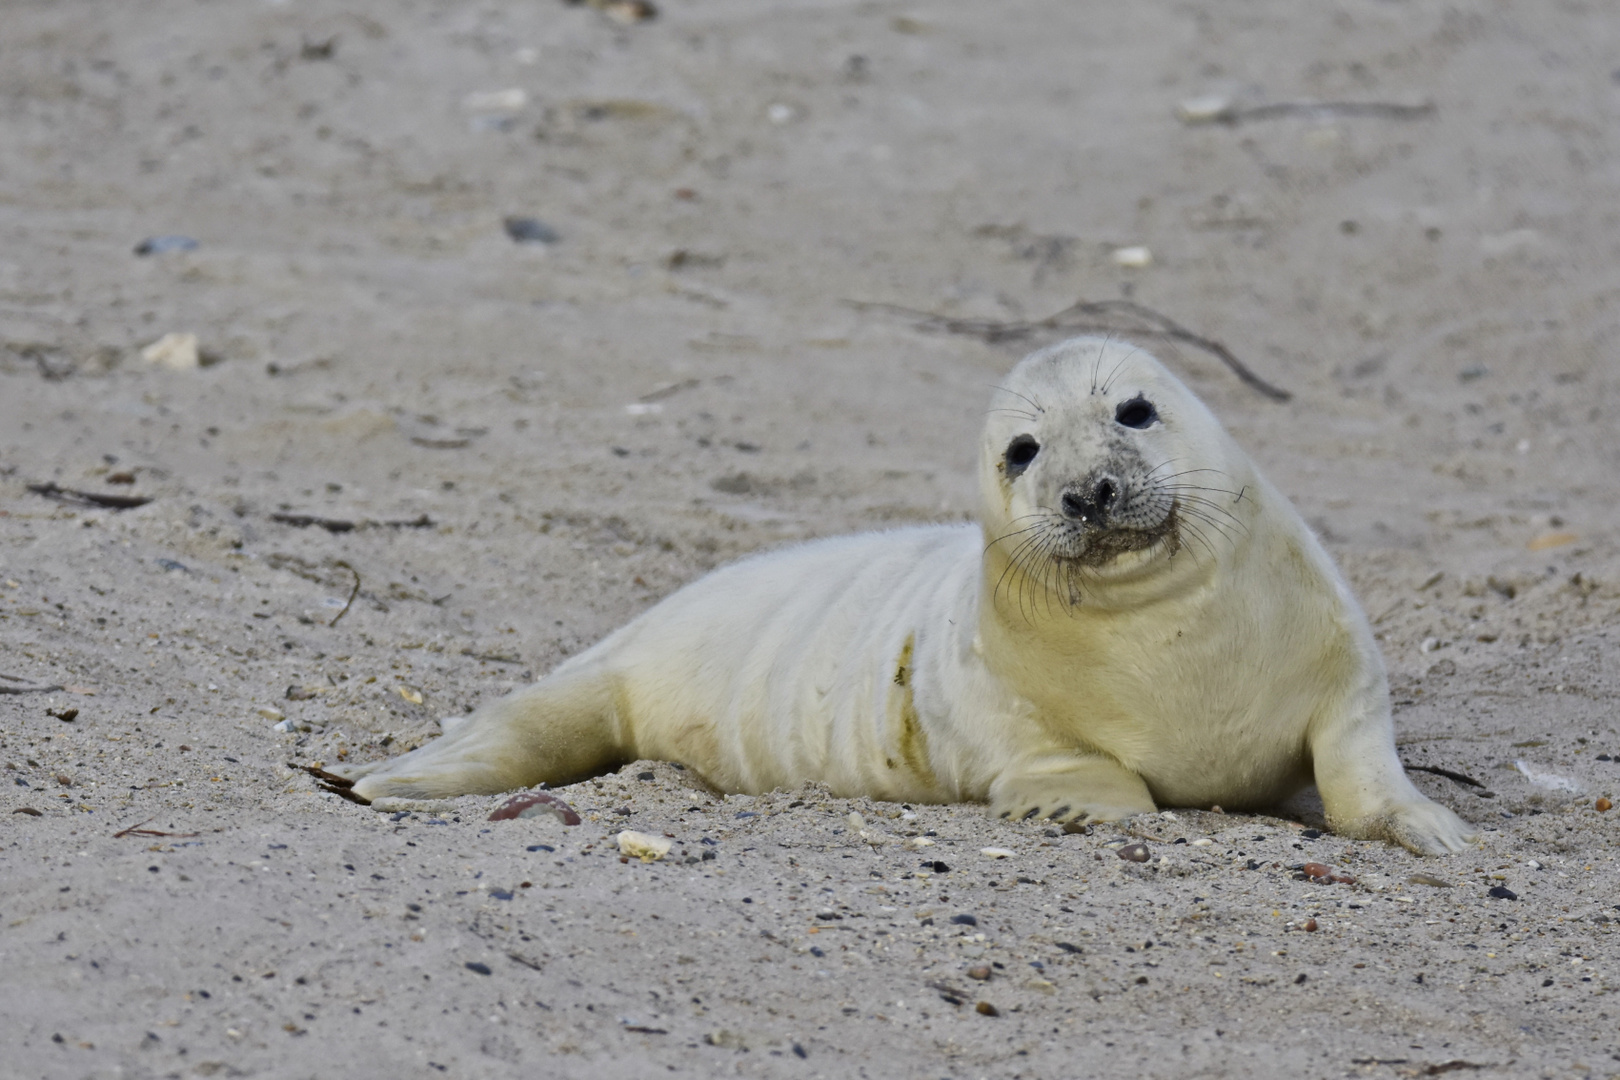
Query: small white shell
(1135,257)
(643,846)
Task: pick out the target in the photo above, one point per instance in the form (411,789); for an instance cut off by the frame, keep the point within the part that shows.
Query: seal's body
(1139,619)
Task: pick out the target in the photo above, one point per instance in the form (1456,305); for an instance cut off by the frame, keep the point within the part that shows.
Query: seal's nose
(1091,505)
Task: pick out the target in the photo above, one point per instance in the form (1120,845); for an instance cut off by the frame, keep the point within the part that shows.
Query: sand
(534,439)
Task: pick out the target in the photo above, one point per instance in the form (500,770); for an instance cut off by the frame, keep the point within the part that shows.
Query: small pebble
(984,1008)
(965,920)
(1316,871)
(475,966)
(937,866)
(508,100)
(528,230)
(997,852)
(980,972)
(1604,805)
(1208,109)
(626,12)
(1135,853)
(164,245)
(1501,892)
(1311,834)
(1309,926)
(1202,842)
(1429,879)
(534,804)
(175,351)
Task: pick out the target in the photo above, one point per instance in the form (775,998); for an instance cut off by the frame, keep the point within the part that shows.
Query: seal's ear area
(1020,453)
(1137,413)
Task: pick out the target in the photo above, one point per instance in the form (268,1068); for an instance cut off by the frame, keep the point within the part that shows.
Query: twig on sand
(343,525)
(525,961)
(326,781)
(1456,777)
(354,592)
(1216,110)
(15,685)
(55,491)
(141,830)
(1087,316)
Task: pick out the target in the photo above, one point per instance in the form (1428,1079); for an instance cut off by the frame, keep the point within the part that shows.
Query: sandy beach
(361,362)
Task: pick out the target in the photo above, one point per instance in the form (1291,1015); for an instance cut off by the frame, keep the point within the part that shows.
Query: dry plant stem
(52,490)
(24,687)
(140,830)
(1332,110)
(1094,317)
(354,592)
(341,525)
(1461,778)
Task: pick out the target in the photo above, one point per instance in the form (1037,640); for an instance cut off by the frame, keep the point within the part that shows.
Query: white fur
(1225,663)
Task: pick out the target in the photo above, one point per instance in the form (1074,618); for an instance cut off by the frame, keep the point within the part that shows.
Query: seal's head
(1096,462)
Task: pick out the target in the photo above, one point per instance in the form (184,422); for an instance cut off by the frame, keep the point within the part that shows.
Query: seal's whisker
(1112,375)
(1013,558)
(1042,588)
(1193,509)
(1096,364)
(1032,402)
(1197,534)
(1208,511)
(1015,563)
(1203,528)
(1031,417)
(1015,532)
(1026,579)
(1188,472)
(1187,494)
(1236,495)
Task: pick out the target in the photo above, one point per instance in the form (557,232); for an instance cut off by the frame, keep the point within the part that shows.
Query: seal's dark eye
(1020,452)
(1136,413)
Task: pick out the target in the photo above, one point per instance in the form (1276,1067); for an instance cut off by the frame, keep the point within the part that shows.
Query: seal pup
(1138,620)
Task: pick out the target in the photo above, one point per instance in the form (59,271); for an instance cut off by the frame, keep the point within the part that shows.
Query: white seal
(1138,620)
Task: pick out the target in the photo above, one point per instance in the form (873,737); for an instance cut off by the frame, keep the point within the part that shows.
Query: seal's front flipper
(1069,787)
(1367,795)
(557,731)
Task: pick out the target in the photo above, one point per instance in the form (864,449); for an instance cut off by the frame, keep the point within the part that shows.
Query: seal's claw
(1422,827)
(1430,829)
(1086,787)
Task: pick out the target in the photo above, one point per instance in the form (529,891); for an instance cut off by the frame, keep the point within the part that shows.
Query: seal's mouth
(1083,543)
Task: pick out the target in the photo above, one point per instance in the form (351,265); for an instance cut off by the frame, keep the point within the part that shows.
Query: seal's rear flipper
(326,781)
(562,729)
